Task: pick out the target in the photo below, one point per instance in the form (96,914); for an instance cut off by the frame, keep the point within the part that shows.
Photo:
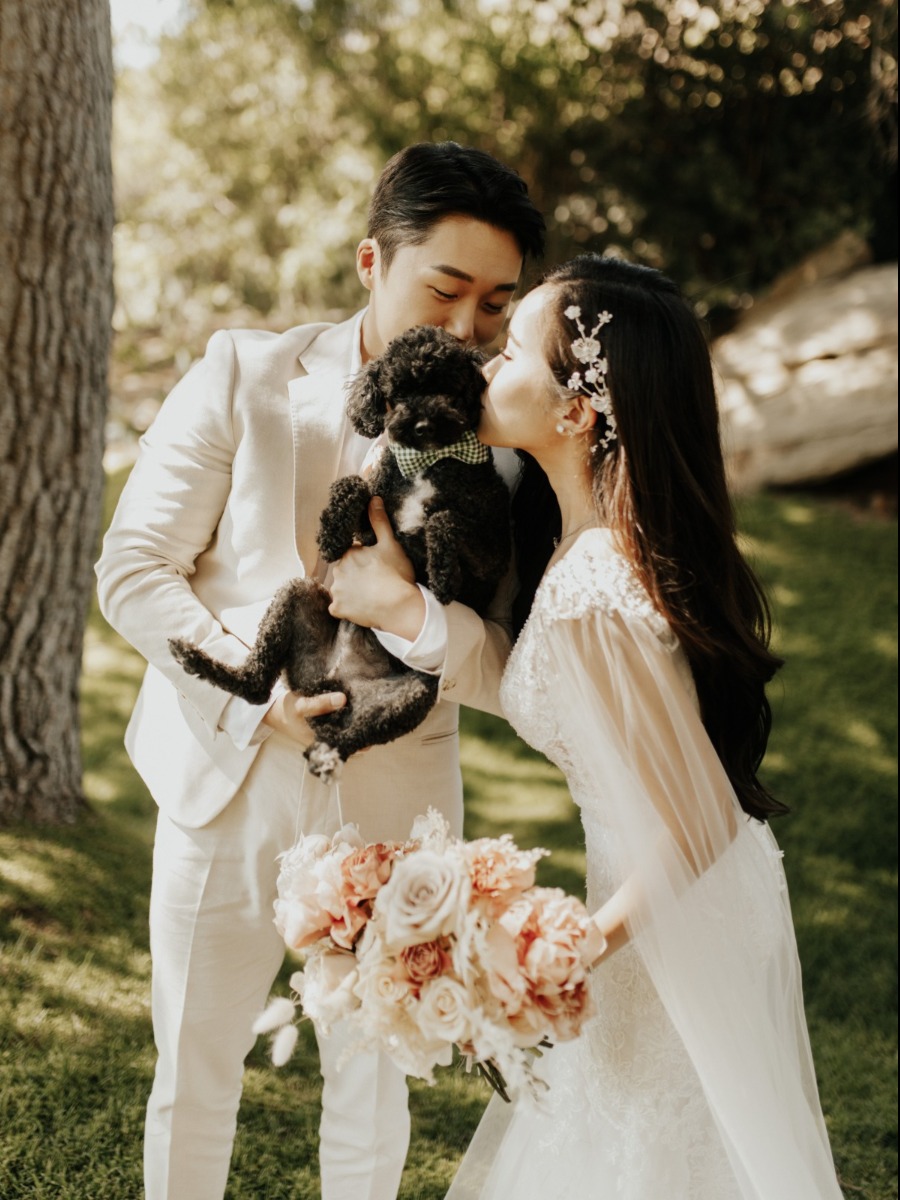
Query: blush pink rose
(383,988)
(355,877)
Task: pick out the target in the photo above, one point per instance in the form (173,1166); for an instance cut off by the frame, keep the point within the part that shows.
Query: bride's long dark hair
(661,489)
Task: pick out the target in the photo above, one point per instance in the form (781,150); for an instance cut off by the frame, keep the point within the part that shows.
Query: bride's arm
(631,715)
(698,888)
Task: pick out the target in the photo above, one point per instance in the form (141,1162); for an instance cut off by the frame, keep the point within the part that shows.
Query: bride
(640,671)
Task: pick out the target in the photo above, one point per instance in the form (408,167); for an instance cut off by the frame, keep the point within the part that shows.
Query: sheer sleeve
(700,886)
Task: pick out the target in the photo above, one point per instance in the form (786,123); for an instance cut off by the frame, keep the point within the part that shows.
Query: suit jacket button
(448,685)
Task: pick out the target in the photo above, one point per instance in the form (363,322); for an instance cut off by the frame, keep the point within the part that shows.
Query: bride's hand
(375,586)
(289,714)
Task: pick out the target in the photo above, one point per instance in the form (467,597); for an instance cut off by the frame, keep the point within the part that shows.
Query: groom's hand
(289,713)
(375,585)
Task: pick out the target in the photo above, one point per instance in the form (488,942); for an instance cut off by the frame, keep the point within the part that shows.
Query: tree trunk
(56,217)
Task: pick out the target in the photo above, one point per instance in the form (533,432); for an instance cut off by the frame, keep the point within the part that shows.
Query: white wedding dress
(694,1081)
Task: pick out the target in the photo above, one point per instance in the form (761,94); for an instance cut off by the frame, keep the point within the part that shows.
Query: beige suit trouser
(216,953)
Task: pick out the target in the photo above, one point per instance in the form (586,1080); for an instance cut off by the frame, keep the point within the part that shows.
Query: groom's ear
(368,262)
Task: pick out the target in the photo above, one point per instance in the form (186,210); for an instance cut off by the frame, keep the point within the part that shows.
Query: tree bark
(56,295)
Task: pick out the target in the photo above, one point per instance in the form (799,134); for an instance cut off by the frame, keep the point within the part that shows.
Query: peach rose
(504,978)
(367,870)
(499,869)
(346,929)
(426,960)
(556,943)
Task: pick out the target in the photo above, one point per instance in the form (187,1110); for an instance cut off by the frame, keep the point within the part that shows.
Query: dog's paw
(324,762)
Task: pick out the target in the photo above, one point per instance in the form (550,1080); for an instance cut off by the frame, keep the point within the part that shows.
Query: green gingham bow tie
(413,462)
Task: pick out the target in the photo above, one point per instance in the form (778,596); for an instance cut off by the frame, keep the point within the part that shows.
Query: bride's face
(516,407)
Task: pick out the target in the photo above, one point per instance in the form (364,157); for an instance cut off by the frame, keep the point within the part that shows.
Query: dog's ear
(366,404)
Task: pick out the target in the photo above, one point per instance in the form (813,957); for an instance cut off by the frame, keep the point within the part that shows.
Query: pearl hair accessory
(587,349)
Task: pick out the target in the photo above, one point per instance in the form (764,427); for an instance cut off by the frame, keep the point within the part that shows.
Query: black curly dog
(452,519)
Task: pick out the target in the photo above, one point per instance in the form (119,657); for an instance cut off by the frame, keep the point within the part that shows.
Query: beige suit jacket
(222,508)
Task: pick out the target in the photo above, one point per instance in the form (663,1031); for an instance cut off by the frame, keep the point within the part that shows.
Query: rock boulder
(808,381)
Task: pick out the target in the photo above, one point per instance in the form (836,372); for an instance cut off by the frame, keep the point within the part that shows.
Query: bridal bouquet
(432,944)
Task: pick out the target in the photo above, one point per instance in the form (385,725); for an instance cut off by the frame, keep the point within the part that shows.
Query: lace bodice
(591,577)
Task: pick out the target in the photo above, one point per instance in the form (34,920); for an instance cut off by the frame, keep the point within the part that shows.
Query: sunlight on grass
(798,514)
(863,734)
(886,644)
(796,643)
(99,788)
(763,552)
(786,597)
(29,876)
(86,985)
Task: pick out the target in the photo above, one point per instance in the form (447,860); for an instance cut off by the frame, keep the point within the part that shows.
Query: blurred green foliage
(721,141)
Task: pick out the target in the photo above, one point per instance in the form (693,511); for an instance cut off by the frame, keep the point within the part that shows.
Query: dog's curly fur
(452,519)
(453,522)
(318,653)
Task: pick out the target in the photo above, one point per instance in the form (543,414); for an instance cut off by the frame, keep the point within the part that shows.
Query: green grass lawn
(76,1052)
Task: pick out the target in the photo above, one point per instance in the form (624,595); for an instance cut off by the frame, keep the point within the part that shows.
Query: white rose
(424,899)
(326,987)
(383,988)
(443,1011)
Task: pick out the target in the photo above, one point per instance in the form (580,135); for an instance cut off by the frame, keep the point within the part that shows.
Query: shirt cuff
(428,651)
(243,722)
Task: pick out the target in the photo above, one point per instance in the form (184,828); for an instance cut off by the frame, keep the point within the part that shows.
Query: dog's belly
(411,514)
(356,654)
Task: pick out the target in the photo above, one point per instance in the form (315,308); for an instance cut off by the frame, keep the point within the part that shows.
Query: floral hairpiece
(589,351)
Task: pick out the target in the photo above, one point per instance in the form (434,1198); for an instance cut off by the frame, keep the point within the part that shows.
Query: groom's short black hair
(424,183)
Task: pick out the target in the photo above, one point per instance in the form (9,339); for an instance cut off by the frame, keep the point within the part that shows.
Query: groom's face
(461,278)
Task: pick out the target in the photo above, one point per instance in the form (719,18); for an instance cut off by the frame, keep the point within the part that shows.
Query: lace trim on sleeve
(594,578)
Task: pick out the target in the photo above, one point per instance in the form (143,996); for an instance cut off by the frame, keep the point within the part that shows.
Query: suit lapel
(318,425)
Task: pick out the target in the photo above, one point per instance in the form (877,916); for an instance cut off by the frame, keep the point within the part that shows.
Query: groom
(220,510)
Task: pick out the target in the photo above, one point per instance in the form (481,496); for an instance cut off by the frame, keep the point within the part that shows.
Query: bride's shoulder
(594,577)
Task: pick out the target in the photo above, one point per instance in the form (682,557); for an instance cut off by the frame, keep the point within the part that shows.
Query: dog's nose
(422,426)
